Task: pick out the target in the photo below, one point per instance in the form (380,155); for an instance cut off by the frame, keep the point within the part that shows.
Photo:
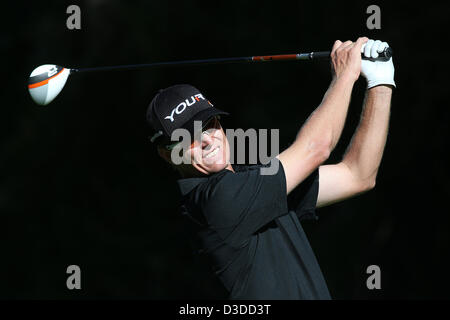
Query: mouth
(212,153)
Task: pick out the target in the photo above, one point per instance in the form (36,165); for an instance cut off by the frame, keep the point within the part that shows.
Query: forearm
(321,131)
(365,151)
(324,126)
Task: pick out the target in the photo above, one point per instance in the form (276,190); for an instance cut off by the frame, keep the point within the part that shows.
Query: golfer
(248,223)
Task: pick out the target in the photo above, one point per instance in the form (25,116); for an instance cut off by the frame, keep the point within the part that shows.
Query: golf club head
(46,82)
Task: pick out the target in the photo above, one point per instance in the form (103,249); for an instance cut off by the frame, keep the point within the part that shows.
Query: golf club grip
(386,54)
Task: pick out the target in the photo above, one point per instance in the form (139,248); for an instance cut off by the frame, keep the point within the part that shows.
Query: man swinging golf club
(248,223)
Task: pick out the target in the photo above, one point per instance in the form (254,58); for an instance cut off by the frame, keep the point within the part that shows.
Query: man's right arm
(322,130)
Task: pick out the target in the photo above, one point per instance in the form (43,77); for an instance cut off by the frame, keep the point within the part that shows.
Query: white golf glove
(376,72)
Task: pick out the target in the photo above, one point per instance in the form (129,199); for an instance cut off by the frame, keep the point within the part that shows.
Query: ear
(164,153)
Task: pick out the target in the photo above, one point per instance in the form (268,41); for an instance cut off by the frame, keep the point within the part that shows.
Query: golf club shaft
(385,55)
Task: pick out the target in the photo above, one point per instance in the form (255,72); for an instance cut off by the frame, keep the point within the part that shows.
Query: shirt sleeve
(303,198)
(238,204)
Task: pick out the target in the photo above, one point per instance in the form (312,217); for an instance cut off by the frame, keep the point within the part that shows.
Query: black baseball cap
(177,107)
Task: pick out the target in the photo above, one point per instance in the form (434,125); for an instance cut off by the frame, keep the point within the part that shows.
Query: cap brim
(203,116)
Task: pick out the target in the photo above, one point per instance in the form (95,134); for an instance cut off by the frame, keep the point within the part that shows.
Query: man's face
(212,153)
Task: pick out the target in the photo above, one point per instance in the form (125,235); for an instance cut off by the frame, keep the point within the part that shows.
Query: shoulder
(237,189)
(222,185)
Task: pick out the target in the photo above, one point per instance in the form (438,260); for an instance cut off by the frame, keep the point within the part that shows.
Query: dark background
(80,183)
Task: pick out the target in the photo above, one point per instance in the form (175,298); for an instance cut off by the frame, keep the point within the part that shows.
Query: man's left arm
(357,171)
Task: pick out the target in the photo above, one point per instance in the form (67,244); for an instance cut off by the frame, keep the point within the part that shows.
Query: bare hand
(346,59)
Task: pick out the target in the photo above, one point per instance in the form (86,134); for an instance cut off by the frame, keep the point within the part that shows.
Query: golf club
(47,81)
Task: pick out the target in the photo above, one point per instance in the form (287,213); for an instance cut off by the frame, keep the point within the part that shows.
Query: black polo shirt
(250,230)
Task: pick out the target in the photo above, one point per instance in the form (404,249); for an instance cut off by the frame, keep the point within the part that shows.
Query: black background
(80,183)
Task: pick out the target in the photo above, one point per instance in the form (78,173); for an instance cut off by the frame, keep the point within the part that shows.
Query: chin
(213,167)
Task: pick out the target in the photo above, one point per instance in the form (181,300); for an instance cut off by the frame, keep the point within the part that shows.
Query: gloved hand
(376,72)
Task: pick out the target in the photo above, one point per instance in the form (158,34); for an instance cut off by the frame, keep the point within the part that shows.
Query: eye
(212,124)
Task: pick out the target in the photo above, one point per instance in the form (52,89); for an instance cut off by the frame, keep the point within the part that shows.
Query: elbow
(322,150)
(368,185)
(324,154)
(321,154)
(363,182)
(371,184)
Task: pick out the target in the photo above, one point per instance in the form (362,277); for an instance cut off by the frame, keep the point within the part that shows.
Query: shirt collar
(186,185)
